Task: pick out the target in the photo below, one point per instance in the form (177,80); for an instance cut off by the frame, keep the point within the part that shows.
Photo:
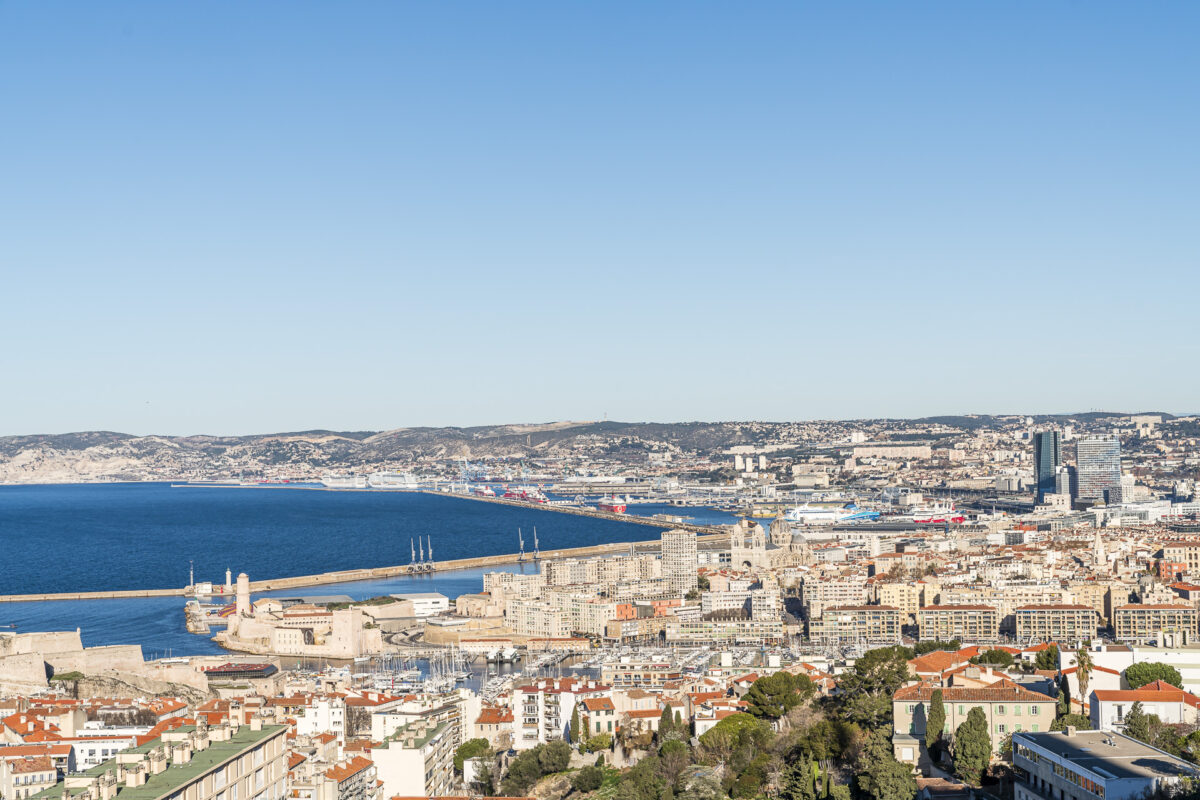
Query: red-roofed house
(1171,704)
(26,776)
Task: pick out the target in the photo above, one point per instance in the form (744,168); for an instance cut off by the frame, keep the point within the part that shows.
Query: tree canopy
(772,696)
(878,775)
(1138,675)
(972,747)
(472,748)
(936,720)
(1048,658)
(999,658)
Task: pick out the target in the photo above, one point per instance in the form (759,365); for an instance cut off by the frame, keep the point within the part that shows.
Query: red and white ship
(530,494)
(484,491)
(937,514)
(612,504)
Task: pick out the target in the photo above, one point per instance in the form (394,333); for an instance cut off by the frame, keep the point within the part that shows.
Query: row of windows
(1034,710)
(46,777)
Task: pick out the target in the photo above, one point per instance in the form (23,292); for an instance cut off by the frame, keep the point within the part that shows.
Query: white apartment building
(679,561)
(536,618)
(323,715)
(542,710)
(417,760)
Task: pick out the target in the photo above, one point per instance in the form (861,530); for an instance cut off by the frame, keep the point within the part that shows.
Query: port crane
(521,543)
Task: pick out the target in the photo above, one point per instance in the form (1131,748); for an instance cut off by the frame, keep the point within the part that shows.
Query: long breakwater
(706,535)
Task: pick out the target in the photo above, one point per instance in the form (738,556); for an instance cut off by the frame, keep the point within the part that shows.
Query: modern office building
(1047,456)
(1098,466)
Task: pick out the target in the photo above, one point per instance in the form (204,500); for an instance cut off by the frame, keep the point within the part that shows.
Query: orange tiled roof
(349,769)
(1001,691)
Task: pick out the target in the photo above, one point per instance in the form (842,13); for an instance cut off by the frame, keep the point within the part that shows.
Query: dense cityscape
(962,607)
(541,400)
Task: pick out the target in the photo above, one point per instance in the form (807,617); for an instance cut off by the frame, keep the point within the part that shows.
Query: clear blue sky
(234,217)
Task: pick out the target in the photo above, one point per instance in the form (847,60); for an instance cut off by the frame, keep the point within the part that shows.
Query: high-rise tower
(1047,456)
(1098,466)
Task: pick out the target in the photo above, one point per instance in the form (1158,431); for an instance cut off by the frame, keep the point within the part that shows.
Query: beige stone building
(908,597)
(1141,623)
(1008,708)
(862,624)
(967,623)
(1066,623)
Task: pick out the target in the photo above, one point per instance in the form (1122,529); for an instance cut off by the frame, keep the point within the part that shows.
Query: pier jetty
(585,511)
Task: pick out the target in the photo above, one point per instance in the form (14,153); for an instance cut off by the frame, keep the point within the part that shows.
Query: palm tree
(1083,670)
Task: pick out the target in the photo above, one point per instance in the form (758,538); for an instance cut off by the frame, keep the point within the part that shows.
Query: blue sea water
(131,536)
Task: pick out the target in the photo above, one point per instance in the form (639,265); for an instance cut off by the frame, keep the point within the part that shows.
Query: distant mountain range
(108,456)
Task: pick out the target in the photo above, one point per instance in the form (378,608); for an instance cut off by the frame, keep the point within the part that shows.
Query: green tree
(720,740)
(666,723)
(1064,696)
(1137,724)
(1138,675)
(485,782)
(642,782)
(1048,658)
(921,648)
(472,748)
(1074,720)
(673,759)
(883,670)
(972,747)
(601,741)
(796,781)
(999,658)
(531,765)
(878,775)
(1083,671)
(573,732)
(772,696)
(587,779)
(935,721)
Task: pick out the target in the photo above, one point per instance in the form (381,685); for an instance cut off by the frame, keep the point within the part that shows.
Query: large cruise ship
(825,515)
(392,480)
(344,481)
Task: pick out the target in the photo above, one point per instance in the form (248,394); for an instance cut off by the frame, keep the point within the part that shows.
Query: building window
(999,709)
(1034,711)
(1000,728)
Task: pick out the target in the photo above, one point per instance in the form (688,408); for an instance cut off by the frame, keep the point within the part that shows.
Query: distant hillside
(109,456)
(105,455)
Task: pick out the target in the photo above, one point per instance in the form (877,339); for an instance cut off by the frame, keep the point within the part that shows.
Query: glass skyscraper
(1047,456)
(1098,465)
